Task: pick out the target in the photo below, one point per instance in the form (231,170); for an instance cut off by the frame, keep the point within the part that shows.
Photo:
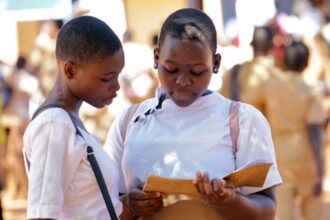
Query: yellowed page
(253,175)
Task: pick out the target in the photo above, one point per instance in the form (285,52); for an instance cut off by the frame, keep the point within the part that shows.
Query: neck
(65,100)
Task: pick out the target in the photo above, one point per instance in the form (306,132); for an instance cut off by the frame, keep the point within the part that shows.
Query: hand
(215,191)
(144,203)
(317,188)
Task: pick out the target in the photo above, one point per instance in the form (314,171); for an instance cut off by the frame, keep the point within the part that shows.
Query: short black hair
(59,23)
(86,38)
(296,56)
(192,24)
(21,62)
(262,39)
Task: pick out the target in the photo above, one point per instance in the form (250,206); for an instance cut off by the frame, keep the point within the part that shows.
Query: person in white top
(61,181)
(184,133)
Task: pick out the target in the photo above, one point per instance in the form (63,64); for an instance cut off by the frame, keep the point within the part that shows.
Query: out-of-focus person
(138,79)
(15,118)
(296,116)
(42,58)
(242,81)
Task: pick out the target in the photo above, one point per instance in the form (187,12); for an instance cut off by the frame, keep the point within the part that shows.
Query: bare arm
(314,131)
(260,205)
(233,205)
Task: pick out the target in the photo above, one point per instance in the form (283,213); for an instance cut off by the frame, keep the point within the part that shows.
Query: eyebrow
(110,73)
(196,64)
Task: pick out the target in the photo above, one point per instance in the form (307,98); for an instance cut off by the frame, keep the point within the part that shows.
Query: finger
(153,195)
(207,184)
(219,187)
(158,205)
(228,184)
(147,207)
(148,211)
(199,182)
(138,194)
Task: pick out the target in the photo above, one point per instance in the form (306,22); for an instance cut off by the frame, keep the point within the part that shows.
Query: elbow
(268,213)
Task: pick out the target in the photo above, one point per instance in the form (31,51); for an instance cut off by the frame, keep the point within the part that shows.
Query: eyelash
(175,70)
(171,71)
(107,79)
(197,74)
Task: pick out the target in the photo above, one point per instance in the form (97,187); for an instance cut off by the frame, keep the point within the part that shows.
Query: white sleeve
(255,143)
(114,146)
(48,172)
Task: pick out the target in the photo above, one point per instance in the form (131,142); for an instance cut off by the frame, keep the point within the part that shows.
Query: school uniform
(175,142)
(62,184)
(290,106)
(250,75)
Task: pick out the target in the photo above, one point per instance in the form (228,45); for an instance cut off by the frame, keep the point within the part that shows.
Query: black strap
(100,181)
(92,160)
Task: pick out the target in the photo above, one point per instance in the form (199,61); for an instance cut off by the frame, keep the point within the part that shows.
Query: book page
(253,174)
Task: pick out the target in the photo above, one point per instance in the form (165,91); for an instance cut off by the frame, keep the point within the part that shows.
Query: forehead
(108,64)
(184,49)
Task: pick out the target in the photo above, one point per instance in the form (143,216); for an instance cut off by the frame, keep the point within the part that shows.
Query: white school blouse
(175,142)
(62,184)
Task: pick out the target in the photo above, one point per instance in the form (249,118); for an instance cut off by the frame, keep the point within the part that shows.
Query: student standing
(62,184)
(296,117)
(184,132)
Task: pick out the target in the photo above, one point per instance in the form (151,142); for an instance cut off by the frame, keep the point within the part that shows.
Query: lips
(182,95)
(109,100)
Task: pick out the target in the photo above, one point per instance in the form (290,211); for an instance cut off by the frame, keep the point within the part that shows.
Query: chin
(97,105)
(183,104)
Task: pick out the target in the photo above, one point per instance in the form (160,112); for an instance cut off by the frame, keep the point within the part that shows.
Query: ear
(156,57)
(70,69)
(216,62)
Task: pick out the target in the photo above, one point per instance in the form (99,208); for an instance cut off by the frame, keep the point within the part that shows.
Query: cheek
(162,79)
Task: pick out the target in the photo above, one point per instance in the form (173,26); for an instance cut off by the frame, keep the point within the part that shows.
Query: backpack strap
(127,119)
(91,158)
(234,124)
(43,108)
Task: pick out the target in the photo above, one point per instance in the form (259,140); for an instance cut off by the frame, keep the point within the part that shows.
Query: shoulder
(52,118)
(52,114)
(250,114)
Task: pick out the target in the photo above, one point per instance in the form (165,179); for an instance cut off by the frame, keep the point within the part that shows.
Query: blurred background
(28,65)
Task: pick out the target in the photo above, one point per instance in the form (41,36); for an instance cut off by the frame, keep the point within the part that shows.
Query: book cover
(253,174)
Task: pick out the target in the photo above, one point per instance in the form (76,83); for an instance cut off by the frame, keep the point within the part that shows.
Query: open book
(253,174)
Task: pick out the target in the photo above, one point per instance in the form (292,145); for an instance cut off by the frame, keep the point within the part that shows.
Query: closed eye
(106,80)
(169,70)
(109,77)
(197,73)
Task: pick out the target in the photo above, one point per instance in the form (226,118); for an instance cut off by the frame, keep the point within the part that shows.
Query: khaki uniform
(291,105)
(251,75)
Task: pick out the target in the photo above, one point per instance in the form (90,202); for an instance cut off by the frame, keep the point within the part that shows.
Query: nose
(114,86)
(183,79)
